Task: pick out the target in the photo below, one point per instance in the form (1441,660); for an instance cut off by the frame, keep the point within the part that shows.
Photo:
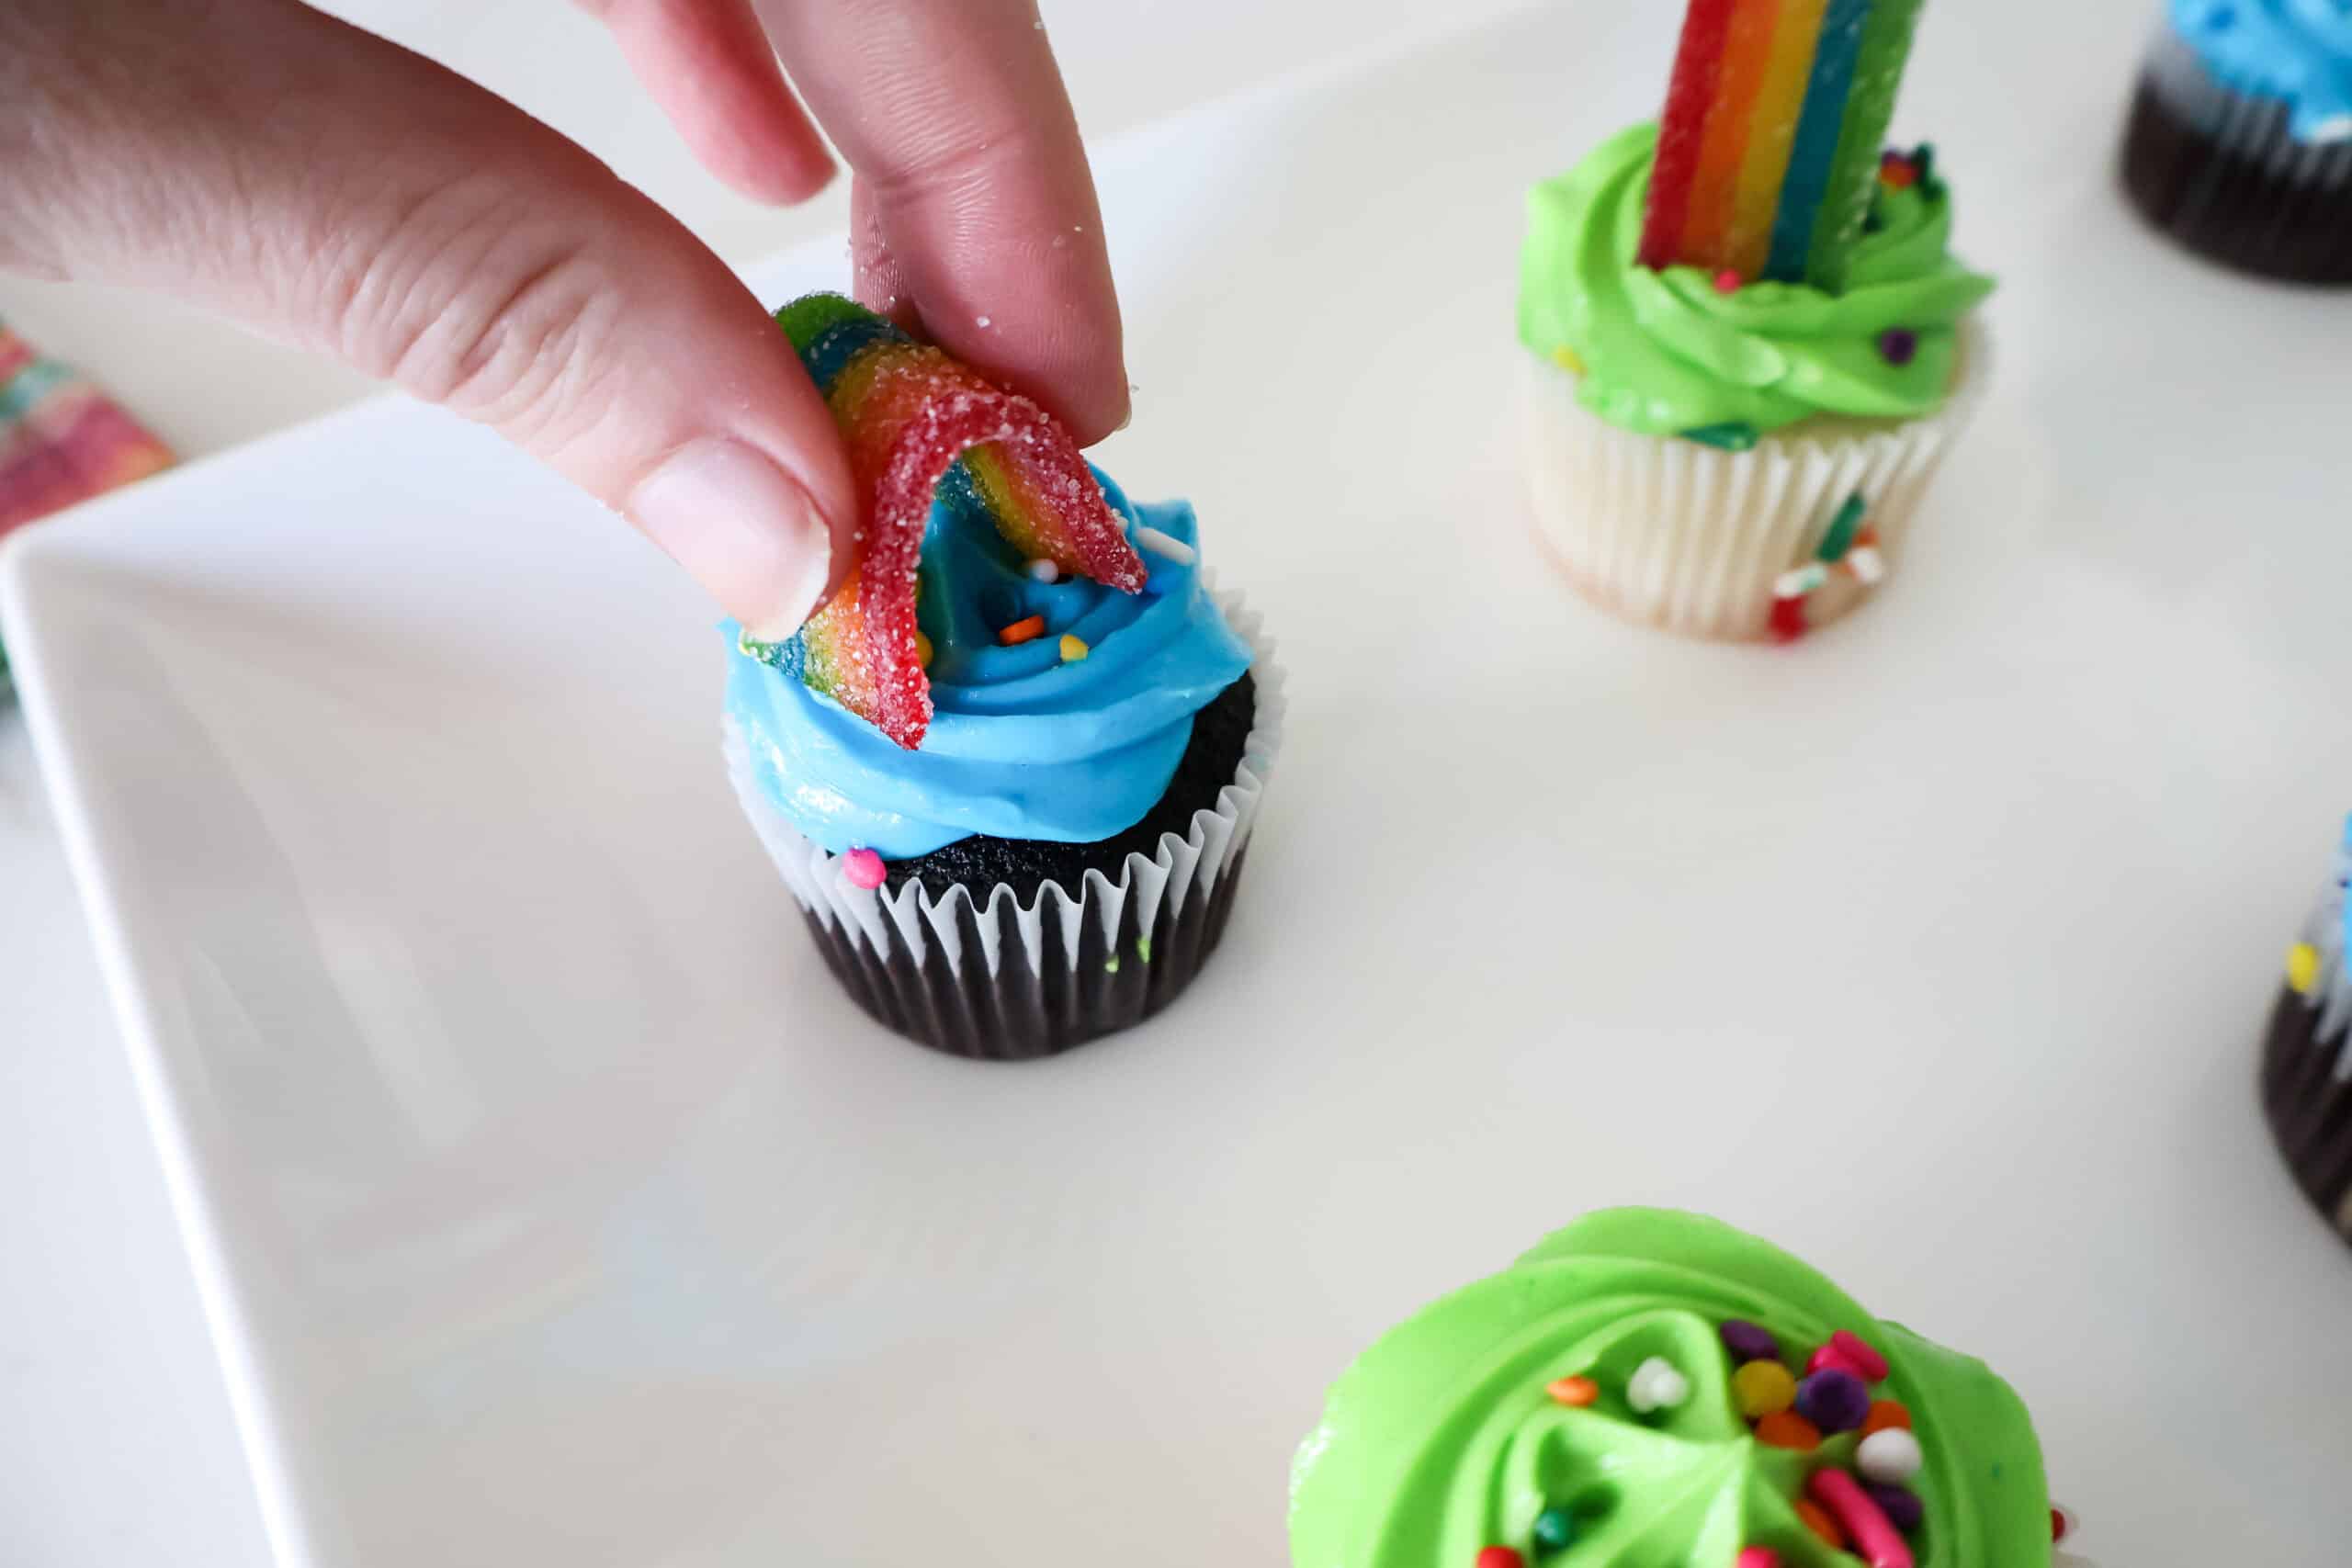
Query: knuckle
(493,314)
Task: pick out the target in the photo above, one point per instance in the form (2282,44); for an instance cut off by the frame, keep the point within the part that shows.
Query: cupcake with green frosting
(1650,1387)
(1728,457)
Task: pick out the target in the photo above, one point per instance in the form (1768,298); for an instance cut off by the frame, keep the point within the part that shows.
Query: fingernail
(741,528)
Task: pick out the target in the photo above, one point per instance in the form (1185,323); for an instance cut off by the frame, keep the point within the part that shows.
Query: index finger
(973,185)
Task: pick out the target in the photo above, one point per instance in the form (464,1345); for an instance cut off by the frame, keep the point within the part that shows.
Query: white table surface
(117,1445)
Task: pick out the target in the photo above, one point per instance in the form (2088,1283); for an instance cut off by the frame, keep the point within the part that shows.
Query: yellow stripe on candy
(1779,100)
(1748,51)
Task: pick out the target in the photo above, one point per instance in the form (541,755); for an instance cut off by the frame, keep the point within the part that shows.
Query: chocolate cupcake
(2240,139)
(1011,771)
(2307,1058)
(1650,1387)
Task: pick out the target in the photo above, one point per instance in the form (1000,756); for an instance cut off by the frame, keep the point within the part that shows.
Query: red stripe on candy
(1682,128)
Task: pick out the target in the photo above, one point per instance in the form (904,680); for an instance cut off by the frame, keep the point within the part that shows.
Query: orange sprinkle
(922,649)
(1787,1430)
(1816,1519)
(1577,1392)
(1886,1413)
(1022,630)
(1898,173)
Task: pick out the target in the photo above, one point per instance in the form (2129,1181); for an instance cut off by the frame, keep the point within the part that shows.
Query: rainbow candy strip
(61,440)
(1772,126)
(914,419)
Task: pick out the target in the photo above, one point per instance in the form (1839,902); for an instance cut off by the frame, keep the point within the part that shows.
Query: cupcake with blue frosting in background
(2240,139)
(1011,773)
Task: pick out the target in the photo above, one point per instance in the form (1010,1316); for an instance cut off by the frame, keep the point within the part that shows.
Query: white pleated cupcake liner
(2245,126)
(1694,539)
(1149,889)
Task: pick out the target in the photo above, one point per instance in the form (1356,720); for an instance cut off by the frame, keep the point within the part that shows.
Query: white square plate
(551,1205)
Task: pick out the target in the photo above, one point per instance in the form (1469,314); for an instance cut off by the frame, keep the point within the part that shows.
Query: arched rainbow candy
(911,416)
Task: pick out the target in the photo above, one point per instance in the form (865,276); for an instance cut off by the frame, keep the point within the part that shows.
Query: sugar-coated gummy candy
(913,417)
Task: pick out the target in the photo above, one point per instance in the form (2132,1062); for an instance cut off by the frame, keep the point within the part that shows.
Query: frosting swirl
(1024,744)
(1664,352)
(1443,1439)
(2296,51)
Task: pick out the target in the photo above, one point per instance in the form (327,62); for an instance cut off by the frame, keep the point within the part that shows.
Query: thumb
(331,187)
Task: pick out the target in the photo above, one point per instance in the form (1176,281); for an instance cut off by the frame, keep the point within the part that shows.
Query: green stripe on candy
(1870,107)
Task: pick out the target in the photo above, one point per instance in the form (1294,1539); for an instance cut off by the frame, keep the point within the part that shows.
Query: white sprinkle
(1060,240)
(1890,1456)
(1656,1385)
(1166,547)
(1044,571)
(982,321)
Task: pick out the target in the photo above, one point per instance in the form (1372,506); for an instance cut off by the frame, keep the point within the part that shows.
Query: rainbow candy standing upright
(1772,127)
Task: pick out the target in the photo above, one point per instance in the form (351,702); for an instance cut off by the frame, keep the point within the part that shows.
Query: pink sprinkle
(863,868)
(1858,1352)
(1727,281)
(1876,1540)
(1758,1557)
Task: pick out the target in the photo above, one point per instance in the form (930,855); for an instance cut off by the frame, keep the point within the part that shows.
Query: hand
(336,189)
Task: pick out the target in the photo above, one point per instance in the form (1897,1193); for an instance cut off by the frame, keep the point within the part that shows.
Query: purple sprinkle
(1834,1400)
(1900,1504)
(1898,345)
(1748,1342)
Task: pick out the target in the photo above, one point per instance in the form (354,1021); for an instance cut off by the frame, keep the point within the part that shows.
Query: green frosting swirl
(1664,352)
(1441,1440)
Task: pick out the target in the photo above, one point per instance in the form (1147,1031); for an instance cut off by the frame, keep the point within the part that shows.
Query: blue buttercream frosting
(2298,51)
(1023,744)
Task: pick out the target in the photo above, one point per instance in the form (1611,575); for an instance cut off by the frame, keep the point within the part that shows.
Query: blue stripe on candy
(1819,123)
(838,343)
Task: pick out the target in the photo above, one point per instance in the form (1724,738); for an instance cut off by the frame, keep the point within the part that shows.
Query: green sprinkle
(1842,529)
(1555,1528)
(1737,436)
(1111,967)
(1143,948)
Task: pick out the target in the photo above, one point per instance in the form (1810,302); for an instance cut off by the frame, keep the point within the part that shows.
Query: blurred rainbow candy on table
(1770,135)
(62,441)
(915,419)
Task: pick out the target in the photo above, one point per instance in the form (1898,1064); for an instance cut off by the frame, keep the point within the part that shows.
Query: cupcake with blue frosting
(1013,792)
(2240,140)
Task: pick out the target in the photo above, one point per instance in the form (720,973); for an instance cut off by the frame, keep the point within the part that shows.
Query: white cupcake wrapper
(2247,126)
(1671,533)
(1148,891)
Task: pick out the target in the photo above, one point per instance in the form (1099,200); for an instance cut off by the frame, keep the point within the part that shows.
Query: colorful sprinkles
(1855,1500)
(1851,547)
